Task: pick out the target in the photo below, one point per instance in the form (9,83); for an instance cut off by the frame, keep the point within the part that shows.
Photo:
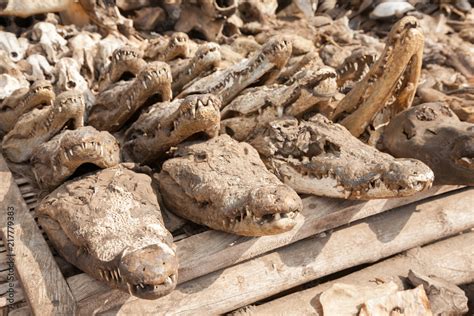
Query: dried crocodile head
(54,161)
(432,133)
(223,184)
(389,86)
(109,225)
(116,105)
(264,66)
(168,49)
(24,100)
(206,58)
(260,105)
(40,125)
(167,124)
(322,158)
(125,62)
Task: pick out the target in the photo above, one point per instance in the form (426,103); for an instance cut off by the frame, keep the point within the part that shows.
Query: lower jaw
(249,228)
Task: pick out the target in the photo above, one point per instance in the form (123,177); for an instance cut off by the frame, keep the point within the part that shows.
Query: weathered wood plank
(366,241)
(214,250)
(451,259)
(44,286)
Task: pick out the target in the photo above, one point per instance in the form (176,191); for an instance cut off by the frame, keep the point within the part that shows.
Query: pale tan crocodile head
(56,160)
(109,225)
(322,158)
(168,49)
(262,68)
(390,85)
(223,184)
(432,133)
(116,105)
(40,125)
(168,124)
(24,100)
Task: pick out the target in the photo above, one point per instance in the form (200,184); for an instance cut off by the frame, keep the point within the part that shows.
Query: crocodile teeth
(101,274)
(142,286)
(168,281)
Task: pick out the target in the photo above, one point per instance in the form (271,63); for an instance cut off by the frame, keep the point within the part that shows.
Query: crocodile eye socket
(71,84)
(14,54)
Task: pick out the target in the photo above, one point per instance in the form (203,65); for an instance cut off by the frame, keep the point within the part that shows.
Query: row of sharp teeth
(260,220)
(111,275)
(69,153)
(125,53)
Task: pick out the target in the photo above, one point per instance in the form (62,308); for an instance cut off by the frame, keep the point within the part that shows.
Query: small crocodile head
(109,225)
(69,103)
(166,125)
(126,63)
(207,54)
(277,51)
(56,160)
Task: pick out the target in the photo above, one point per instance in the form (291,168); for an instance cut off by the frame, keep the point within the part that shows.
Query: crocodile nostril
(71,84)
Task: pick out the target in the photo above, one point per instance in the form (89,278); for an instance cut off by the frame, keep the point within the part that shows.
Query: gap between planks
(362,242)
(451,259)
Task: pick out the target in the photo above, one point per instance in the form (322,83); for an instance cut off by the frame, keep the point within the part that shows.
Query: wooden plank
(222,250)
(366,241)
(451,259)
(44,286)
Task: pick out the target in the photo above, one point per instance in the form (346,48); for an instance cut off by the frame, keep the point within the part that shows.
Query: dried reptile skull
(432,133)
(322,158)
(223,184)
(109,225)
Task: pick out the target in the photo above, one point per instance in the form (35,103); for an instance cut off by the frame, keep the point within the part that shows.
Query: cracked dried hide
(223,184)
(109,225)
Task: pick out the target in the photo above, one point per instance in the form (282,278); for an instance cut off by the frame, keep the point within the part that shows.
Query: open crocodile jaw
(40,125)
(112,111)
(168,124)
(109,225)
(223,184)
(264,66)
(391,82)
(56,160)
(432,133)
(322,158)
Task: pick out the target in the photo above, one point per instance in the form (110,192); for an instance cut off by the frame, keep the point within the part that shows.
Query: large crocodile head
(223,184)
(390,85)
(432,133)
(109,225)
(56,160)
(115,106)
(168,124)
(263,67)
(41,124)
(322,158)
(24,100)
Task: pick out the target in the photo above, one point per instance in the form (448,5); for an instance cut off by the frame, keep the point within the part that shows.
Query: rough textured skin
(322,158)
(109,225)
(117,104)
(167,124)
(40,125)
(125,60)
(54,161)
(206,58)
(168,49)
(257,106)
(389,86)
(223,184)
(432,133)
(264,65)
(24,100)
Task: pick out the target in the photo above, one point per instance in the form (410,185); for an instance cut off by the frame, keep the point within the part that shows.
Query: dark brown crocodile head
(24,100)
(432,133)
(56,160)
(109,225)
(168,124)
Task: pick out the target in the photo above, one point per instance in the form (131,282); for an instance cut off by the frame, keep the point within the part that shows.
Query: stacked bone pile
(222,112)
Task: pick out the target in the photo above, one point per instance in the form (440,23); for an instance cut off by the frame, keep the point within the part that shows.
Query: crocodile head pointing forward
(223,184)
(263,67)
(322,158)
(432,133)
(56,160)
(109,225)
(168,124)
(115,106)
(24,100)
(41,124)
